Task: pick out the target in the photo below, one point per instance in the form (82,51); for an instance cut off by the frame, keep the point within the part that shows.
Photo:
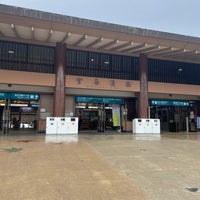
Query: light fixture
(12,26)
(106,62)
(32,28)
(51,31)
(180,69)
(11,52)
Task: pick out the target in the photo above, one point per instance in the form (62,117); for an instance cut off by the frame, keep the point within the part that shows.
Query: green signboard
(87,99)
(24,96)
(3,95)
(19,96)
(156,102)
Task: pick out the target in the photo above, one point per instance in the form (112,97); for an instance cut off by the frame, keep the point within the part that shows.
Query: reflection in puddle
(61,138)
(151,137)
(182,135)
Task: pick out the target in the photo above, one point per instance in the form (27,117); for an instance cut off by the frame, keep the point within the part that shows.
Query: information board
(168,103)
(19,96)
(88,99)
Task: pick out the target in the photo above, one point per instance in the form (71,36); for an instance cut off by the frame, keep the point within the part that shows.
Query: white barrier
(146,126)
(51,125)
(61,125)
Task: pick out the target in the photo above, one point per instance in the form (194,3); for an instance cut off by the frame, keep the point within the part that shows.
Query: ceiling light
(11,52)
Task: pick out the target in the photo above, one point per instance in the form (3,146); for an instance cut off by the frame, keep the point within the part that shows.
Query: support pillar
(143,100)
(59,92)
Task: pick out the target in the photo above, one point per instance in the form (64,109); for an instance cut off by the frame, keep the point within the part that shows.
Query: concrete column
(59,92)
(143,95)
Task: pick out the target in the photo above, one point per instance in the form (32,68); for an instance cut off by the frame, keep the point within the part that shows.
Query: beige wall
(169,88)
(26,78)
(101,83)
(46,103)
(80,82)
(69,105)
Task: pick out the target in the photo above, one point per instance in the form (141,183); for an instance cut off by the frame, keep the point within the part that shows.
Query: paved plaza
(100,166)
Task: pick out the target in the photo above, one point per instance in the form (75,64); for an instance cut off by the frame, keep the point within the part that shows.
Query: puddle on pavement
(192,189)
(25,141)
(13,150)
(60,139)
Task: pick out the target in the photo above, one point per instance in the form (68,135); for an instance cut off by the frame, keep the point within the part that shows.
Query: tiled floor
(100,167)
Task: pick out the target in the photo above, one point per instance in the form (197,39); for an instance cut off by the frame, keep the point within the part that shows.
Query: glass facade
(37,58)
(83,63)
(173,72)
(26,57)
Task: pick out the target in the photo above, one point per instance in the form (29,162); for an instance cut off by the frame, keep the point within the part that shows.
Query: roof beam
(32,33)
(175,52)
(66,37)
(95,42)
(186,53)
(1,34)
(122,46)
(145,49)
(109,44)
(166,52)
(84,37)
(166,49)
(135,47)
(13,28)
(49,35)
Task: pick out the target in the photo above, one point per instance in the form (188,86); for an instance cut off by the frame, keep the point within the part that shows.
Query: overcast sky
(174,16)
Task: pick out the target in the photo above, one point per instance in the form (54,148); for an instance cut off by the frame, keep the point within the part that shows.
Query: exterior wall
(69,105)
(26,78)
(83,82)
(169,88)
(46,102)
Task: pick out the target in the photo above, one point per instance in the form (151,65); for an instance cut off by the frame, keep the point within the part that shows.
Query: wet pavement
(98,166)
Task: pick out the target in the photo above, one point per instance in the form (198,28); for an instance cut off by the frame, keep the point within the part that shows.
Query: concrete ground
(97,166)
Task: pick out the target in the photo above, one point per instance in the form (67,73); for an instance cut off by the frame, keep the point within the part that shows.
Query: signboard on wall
(19,96)
(159,102)
(116,114)
(3,95)
(88,99)
(24,96)
(198,122)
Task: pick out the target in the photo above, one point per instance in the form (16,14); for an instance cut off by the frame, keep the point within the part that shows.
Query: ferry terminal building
(56,65)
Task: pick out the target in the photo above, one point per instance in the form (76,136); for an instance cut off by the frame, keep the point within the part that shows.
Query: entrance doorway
(95,116)
(99,113)
(17,118)
(172,118)
(18,112)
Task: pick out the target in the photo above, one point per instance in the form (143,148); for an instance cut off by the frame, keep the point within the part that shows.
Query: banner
(116,114)
(198,122)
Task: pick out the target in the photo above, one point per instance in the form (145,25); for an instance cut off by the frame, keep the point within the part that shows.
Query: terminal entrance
(172,114)
(95,116)
(98,114)
(18,112)
(172,119)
